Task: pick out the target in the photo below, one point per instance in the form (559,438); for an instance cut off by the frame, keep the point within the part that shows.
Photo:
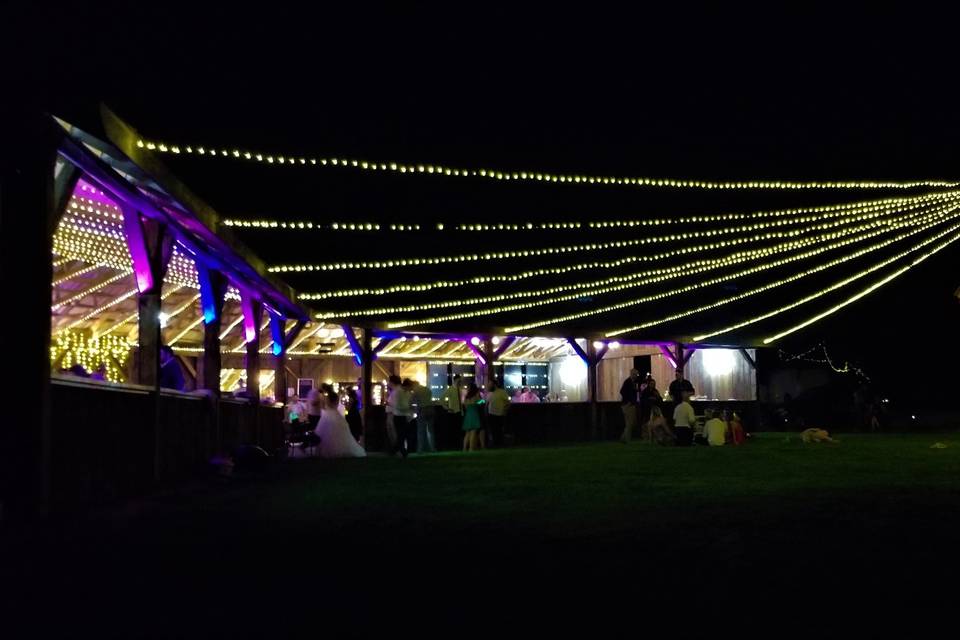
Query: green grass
(875,517)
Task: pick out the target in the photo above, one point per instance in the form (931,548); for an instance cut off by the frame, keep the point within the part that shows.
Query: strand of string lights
(810,297)
(629,280)
(263,224)
(527,253)
(618,283)
(526,176)
(660,296)
(770,286)
(805,357)
(558,270)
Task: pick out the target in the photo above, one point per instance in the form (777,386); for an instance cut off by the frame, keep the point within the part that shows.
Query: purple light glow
(249,319)
(86,190)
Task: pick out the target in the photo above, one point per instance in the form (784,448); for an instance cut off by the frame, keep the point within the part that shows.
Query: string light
(823,292)
(306,224)
(659,296)
(861,294)
(525,253)
(93,289)
(624,282)
(71,348)
(847,368)
(736,298)
(532,176)
(102,308)
(610,264)
(613,224)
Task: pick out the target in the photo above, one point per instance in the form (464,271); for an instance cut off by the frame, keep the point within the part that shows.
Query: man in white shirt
(684,420)
(403,417)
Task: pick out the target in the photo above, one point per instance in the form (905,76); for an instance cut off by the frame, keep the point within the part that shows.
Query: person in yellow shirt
(497,404)
(715,429)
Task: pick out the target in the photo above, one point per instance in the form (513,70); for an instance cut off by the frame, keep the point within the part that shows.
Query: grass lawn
(564,534)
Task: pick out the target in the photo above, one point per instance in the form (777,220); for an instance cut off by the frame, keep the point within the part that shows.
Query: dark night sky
(794,94)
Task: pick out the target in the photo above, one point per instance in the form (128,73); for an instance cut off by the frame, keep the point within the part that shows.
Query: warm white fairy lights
(835,286)
(862,213)
(527,176)
(617,283)
(876,285)
(597,225)
(71,348)
(735,298)
(318,226)
(83,294)
(659,296)
(527,253)
(101,309)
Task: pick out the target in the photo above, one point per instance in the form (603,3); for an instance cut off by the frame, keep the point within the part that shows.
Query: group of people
(323,422)
(475,412)
(643,405)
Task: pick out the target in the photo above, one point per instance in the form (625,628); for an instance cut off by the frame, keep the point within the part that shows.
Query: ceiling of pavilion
(677,267)
(94,297)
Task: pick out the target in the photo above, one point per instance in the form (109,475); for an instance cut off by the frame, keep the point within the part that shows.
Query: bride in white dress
(336,441)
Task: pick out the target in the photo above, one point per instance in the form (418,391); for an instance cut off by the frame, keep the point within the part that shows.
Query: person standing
(425,412)
(472,424)
(684,420)
(630,404)
(679,387)
(649,398)
(353,415)
(452,407)
(498,402)
(393,389)
(171,376)
(314,407)
(526,396)
(403,418)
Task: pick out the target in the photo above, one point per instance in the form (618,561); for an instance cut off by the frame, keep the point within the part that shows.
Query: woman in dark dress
(353,414)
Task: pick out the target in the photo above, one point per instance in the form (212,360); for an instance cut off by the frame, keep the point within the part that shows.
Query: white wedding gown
(336,441)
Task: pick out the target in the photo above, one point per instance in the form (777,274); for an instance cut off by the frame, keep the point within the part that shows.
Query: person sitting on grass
(715,429)
(684,419)
(658,430)
(737,434)
(809,436)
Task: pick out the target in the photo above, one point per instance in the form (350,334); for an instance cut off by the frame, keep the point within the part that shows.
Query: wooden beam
(502,347)
(579,350)
(669,355)
(746,356)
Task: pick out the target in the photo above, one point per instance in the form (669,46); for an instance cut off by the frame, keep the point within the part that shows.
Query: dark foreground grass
(591,535)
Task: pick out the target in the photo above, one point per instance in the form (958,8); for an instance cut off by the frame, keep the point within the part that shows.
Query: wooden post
(280,367)
(255,308)
(488,355)
(681,361)
(366,382)
(31,199)
(592,362)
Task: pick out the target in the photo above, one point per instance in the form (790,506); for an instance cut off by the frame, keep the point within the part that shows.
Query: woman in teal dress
(471,419)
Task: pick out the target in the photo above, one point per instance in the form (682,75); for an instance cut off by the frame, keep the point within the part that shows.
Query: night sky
(795,95)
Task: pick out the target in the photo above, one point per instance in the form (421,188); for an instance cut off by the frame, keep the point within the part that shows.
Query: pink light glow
(86,190)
